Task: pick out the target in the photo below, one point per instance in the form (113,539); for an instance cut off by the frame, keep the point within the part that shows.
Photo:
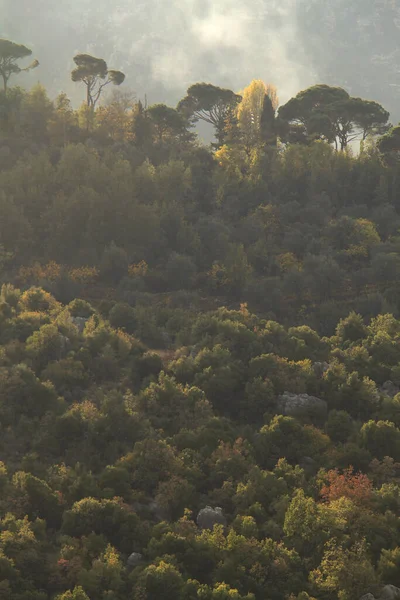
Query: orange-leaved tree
(356,486)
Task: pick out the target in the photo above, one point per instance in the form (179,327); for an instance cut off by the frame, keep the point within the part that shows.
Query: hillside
(111,454)
(199,348)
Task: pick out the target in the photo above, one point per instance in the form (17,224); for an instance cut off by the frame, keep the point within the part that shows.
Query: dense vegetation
(111,449)
(301,232)
(185,326)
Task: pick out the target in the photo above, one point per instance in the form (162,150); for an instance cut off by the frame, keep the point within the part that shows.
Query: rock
(208,517)
(389,389)
(390,592)
(158,512)
(320,368)
(367,597)
(301,404)
(79,322)
(65,346)
(134,560)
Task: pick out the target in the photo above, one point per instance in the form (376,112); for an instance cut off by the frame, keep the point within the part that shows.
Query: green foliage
(10,53)
(123,316)
(77,593)
(264,268)
(110,518)
(211,104)
(131,446)
(80,308)
(160,582)
(389,566)
(94,73)
(329,113)
(382,439)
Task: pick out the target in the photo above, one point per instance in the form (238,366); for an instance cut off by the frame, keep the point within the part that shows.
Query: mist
(163,47)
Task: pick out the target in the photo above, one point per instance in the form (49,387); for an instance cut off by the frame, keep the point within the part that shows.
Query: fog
(165,45)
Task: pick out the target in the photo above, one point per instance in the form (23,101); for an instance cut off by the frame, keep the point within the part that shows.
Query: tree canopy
(199,347)
(95,74)
(330,114)
(209,103)
(10,54)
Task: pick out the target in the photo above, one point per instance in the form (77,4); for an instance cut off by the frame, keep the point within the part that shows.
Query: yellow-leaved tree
(256,114)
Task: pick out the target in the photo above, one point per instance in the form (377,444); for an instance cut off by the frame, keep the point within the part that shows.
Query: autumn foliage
(356,486)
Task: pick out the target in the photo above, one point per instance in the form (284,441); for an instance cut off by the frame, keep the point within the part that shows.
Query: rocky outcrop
(65,346)
(389,592)
(158,511)
(320,368)
(389,389)
(208,517)
(301,404)
(79,323)
(134,560)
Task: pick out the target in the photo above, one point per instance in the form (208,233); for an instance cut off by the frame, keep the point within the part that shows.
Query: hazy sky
(163,46)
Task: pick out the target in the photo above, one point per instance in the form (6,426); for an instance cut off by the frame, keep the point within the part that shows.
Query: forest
(199,343)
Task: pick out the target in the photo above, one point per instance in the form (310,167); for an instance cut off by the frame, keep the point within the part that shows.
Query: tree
(211,104)
(303,522)
(370,117)
(63,121)
(268,123)
(351,329)
(381,438)
(389,145)
(389,566)
(110,518)
(77,593)
(95,74)
(141,126)
(180,271)
(256,113)
(168,123)
(10,53)
(304,111)
(330,114)
(36,113)
(356,118)
(346,572)
(356,486)
(114,263)
(36,498)
(114,119)
(159,582)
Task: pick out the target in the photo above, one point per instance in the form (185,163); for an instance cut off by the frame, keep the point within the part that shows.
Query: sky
(163,46)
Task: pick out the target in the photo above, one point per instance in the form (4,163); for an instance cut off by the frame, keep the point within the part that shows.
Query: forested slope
(302,233)
(199,348)
(110,449)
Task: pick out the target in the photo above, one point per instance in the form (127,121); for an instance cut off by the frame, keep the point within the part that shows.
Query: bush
(80,308)
(180,271)
(123,316)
